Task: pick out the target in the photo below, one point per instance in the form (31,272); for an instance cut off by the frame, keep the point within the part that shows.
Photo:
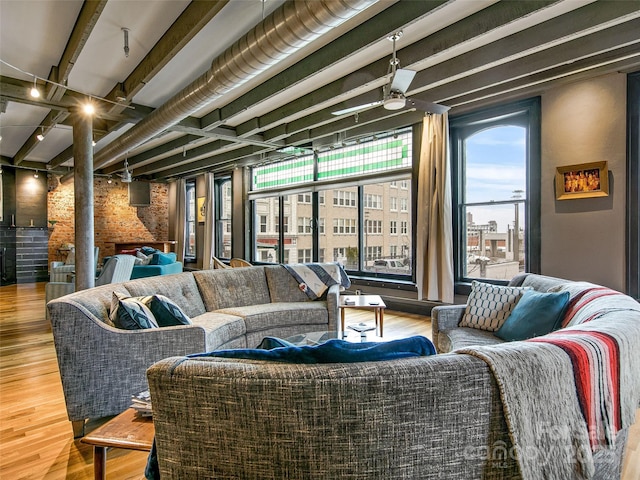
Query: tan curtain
(209,223)
(434,249)
(181,217)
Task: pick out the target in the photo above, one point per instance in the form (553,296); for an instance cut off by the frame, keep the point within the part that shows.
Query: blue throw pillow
(130,313)
(160,258)
(148,250)
(334,351)
(537,313)
(166,312)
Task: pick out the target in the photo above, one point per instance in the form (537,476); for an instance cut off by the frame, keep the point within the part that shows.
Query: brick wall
(114,219)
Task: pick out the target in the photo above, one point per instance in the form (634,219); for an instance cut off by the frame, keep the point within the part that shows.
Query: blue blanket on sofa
(333,351)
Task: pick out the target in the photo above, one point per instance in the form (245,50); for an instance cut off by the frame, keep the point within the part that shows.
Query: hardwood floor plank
(36,440)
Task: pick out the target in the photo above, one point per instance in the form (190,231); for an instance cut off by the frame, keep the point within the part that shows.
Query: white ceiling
(35,34)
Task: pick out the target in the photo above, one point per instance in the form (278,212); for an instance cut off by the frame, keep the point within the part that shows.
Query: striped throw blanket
(599,344)
(588,302)
(315,278)
(595,357)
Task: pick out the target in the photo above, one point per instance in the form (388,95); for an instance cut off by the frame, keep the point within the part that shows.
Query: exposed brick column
(83,199)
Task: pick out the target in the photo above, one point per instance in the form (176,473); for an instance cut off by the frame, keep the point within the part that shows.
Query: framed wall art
(584,180)
(201,209)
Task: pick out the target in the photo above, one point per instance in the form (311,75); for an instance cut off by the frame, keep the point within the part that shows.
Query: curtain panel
(434,236)
(181,218)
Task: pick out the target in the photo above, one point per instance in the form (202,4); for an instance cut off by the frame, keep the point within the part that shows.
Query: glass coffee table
(317,338)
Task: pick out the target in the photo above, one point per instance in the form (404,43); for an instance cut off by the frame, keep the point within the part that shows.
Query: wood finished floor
(36,441)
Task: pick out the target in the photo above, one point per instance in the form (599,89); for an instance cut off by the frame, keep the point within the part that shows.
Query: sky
(495,168)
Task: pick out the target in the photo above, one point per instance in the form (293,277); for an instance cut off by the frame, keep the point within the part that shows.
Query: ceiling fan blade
(425,106)
(357,108)
(401,80)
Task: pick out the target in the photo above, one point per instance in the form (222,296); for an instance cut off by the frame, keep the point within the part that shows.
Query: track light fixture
(35,175)
(35,93)
(40,136)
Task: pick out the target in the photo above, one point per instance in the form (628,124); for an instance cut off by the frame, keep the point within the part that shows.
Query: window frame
(191,220)
(525,113)
(219,220)
(354,199)
(633,186)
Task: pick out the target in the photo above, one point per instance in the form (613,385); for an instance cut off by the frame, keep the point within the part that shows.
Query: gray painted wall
(583,239)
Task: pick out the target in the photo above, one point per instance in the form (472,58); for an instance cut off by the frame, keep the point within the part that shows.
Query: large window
(223,218)
(190,249)
(343,201)
(496,165)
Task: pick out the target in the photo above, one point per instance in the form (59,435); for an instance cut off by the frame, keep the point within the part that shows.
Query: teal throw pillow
(160,258)
(166,312)
(537,313)
(148,250)
(130,313)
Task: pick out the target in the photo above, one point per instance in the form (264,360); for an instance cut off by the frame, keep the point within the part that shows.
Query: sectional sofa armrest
(333,297)
(120,358)
(445,317)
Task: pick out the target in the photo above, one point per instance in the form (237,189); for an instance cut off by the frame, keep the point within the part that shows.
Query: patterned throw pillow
(167,313)
(130,313)
(490,305)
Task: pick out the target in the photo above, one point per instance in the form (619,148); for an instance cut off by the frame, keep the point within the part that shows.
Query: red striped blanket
(595,357)
(589,302)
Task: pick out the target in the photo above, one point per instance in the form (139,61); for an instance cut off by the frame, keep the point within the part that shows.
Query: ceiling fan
(393,93)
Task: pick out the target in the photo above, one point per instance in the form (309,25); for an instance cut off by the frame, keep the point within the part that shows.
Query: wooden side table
(127,430)
(363,302)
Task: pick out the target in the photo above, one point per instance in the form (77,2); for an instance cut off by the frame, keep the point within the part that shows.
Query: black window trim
(461,126)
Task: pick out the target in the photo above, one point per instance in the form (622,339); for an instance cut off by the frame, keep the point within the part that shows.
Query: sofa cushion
(131,313)
(220,328)
(465,337)
(181,288)
(143,271)
(334,351)
(269,315)
(232,287)
(537,313)
(283,287)
(490,305)
(160,258)
(165,311)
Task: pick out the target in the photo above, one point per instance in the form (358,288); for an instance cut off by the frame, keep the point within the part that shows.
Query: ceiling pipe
(292,26)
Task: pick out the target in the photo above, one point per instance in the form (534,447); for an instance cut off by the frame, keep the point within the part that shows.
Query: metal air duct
(289,28)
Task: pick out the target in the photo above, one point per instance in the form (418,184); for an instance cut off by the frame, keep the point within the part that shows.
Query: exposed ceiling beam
(86,21)
(566,57)
(49,122)
(158,151)
(374,75)
(210,163)
(194,17)
(388,21)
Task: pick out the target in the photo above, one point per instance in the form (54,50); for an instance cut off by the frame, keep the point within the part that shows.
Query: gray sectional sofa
(435,417)
(102,366)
